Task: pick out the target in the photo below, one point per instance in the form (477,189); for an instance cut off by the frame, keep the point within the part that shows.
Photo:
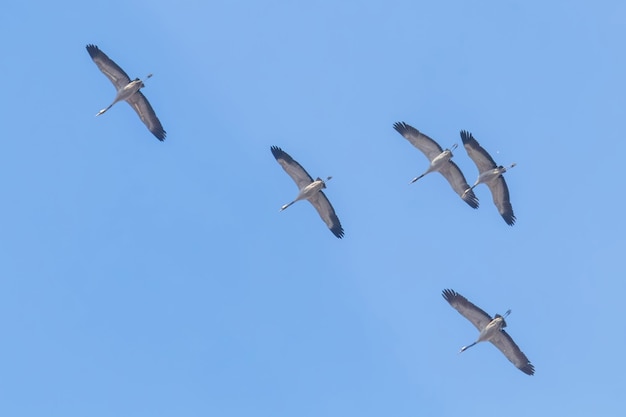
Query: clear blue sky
(140,278)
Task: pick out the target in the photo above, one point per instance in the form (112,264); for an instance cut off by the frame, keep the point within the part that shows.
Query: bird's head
(138,82)
(502,169)
(141,84)
(322,181)
(448,152)
(502,318)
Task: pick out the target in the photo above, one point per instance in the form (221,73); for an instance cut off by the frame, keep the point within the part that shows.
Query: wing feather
(459,184)
(500,194)
(476,315)
(477,153)
(145,111)
(291,167)
(505,343)
(118,77)
(327,213)
(428,146)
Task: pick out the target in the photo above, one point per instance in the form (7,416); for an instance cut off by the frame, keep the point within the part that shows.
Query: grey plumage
(309,189)
(440,160)
(127,90)
(490,173)
(491,329)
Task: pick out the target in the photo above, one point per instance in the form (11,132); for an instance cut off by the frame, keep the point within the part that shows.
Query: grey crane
(309,190)
(490,173)
(440,160)
(491,329)
(127,90)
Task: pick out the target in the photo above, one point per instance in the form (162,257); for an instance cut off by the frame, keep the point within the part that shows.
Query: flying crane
(490,173)
(491,329)
(127,90)
(309,190)
(440,160)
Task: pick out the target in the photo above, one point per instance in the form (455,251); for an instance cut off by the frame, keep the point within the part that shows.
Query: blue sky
(140,278)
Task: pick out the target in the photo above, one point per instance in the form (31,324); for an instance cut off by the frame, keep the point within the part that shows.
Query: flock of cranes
(489,173)
(441,161)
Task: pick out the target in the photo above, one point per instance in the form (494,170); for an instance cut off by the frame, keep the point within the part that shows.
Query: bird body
(491,329)
(127,90)
(490,174)
(309,189)
(440,161)
(437,163)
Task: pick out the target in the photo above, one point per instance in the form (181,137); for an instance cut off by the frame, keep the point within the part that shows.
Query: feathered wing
(429,147)
(113,71)
(459,184)
(484,162)
(505,343)
(327,213)
(143,108)
(500,194)
(477,153)
(476,315)
(293,168)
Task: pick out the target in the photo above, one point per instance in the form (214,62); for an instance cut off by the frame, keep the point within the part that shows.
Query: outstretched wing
(477,316)
(143,108)
(294,169)
(327,213)
(113,72)
(429,147)
(505,343)
(477,153)
(459,184)
(500,194)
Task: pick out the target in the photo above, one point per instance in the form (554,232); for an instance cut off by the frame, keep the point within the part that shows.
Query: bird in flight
(491,329)
(440,161)
(309,189)
(127,90)
(490,173)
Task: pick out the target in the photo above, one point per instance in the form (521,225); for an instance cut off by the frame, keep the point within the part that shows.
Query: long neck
(104,110)
(286,205)
(464,348)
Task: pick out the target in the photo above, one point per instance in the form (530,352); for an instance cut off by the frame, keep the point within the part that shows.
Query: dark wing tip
(466,137)
(337,230)
(277,152)
(471,199)
(159,133)
(93,50)
(450,295)
(509,218)
(528,369)
(402,127)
